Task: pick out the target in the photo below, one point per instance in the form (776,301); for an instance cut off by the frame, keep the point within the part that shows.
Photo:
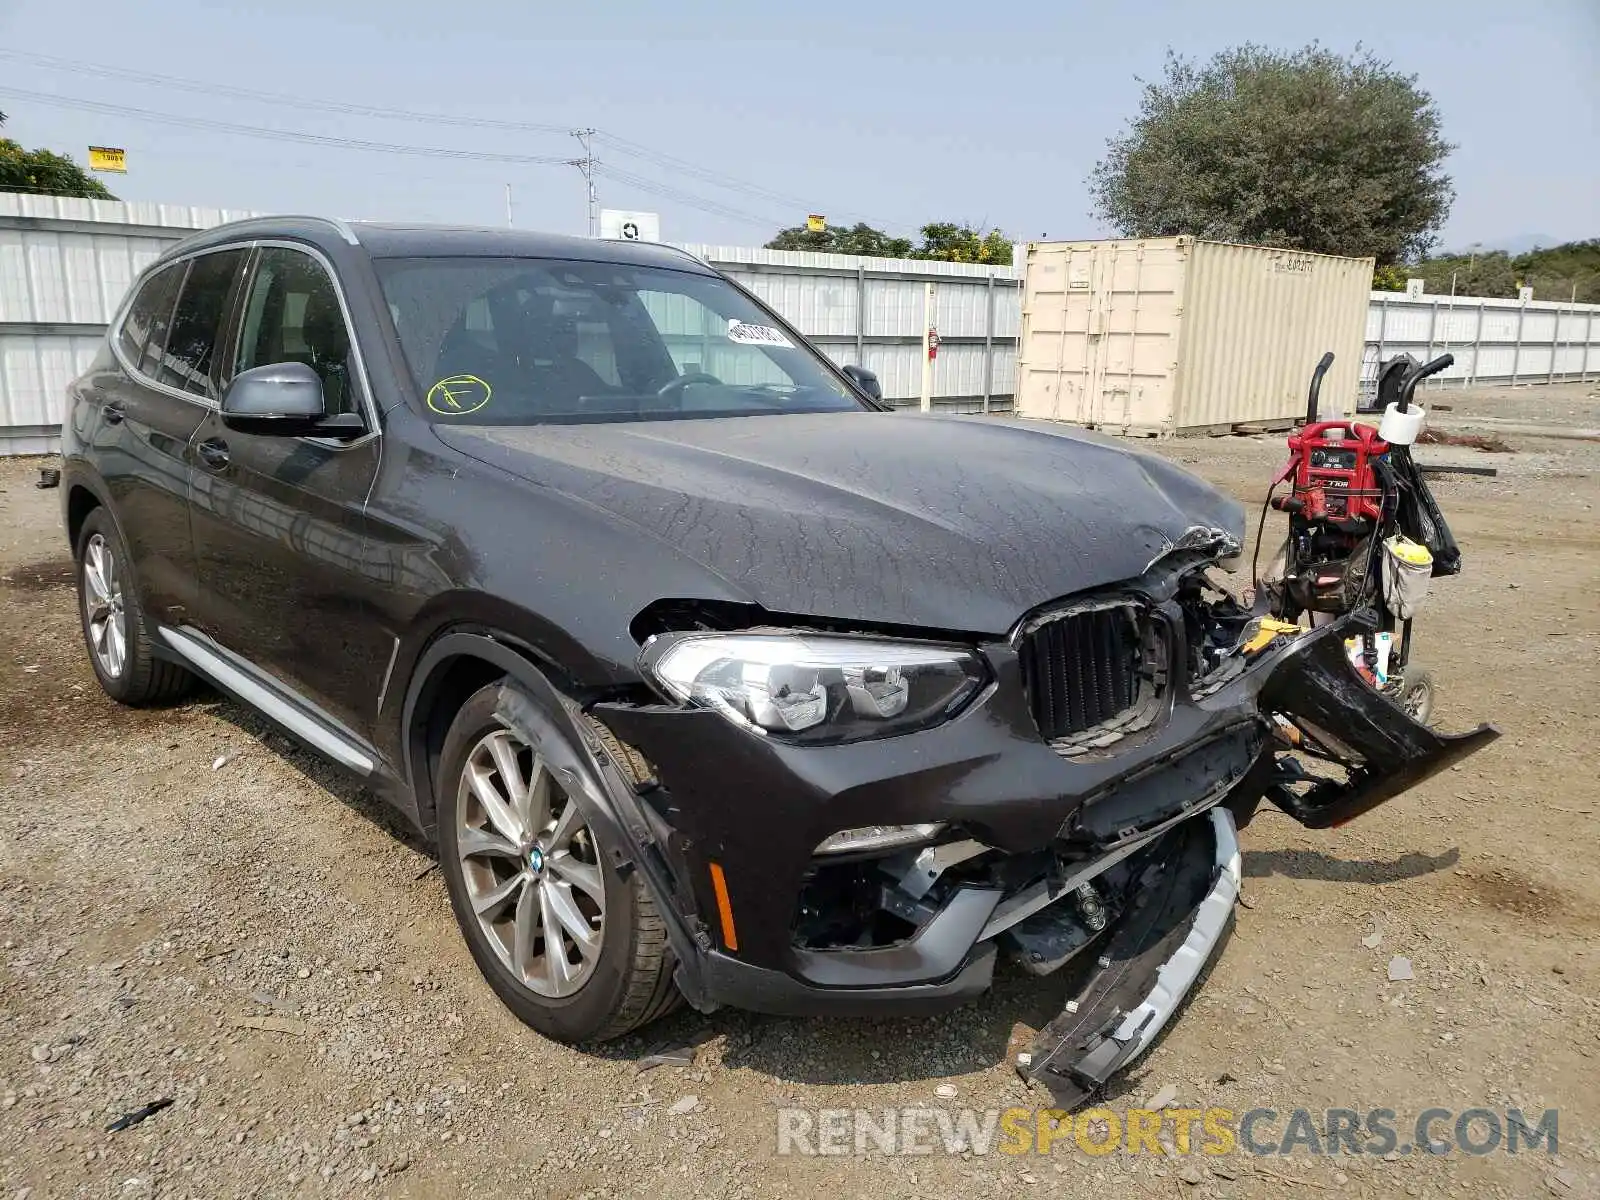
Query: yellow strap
(1266,631)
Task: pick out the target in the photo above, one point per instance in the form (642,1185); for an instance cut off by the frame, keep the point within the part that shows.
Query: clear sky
(898,113)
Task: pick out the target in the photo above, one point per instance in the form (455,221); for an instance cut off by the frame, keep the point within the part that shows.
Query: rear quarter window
(142,336)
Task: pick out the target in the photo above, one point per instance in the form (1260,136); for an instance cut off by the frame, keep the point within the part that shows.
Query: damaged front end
(1175,899)
(1078,804)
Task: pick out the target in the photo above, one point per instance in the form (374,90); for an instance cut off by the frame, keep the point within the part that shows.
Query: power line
(670,162)
(593,167)
(284,135)
(621,145)
(306,102)
(689,199)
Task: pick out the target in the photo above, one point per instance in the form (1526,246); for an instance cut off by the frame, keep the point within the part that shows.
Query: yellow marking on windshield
(458,395)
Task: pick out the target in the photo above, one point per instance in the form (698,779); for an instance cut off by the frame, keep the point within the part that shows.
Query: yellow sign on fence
(108,158)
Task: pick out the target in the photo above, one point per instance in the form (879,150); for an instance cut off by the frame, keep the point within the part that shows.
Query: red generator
(1349,490)
(1332,466)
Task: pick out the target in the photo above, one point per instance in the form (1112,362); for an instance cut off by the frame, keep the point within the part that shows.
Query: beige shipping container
(1161,336)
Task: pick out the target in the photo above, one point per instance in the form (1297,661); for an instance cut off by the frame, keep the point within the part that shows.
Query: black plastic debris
(129,1119)
(1076,1053)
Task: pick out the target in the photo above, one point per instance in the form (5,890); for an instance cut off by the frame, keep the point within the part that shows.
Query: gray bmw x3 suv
(708,676)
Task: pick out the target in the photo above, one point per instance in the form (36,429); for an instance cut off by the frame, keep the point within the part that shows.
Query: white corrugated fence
(870,311)
(64,265)
(1493,341)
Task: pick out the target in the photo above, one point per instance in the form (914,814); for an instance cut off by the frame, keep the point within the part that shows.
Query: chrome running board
(213,662)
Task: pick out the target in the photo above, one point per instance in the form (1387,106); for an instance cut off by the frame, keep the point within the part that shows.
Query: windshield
(529,341)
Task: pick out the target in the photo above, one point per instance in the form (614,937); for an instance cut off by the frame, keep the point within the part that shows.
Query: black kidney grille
(1083,670)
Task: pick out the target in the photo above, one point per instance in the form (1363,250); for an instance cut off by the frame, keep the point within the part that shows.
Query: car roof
(395,240)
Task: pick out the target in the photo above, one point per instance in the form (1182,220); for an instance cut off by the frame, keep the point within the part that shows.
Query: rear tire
(112,619)
(529,867)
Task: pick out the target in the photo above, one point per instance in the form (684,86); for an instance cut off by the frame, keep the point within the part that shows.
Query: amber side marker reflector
(719,884)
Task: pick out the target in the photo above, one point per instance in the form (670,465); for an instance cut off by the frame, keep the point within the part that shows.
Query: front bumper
(757,808)
(1177,921)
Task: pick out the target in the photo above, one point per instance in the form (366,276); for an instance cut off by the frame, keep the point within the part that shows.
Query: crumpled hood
(945,522)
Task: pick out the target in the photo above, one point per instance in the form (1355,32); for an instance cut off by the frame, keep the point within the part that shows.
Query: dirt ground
(193,908)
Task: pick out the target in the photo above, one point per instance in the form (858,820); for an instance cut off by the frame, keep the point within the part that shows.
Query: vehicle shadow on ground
(988,1032)
(349,791)
(976,1037)
(1314,864)
(841,1050)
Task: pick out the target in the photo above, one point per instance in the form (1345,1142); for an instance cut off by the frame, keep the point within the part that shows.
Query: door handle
(114,411)
(213,453)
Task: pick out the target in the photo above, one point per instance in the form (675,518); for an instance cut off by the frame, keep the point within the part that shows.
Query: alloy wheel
(103,608)
(1418,702)
(531,866)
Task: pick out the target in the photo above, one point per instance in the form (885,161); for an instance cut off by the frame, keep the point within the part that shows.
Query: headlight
(817,687)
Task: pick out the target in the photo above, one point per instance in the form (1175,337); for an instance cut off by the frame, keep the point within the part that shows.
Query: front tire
(1416,695)
(112,618)
(571,946)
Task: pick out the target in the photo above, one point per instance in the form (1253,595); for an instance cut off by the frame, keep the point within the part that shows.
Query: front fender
(575,750)
(554,725)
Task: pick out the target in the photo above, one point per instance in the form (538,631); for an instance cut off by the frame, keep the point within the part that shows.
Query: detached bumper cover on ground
(1184,900)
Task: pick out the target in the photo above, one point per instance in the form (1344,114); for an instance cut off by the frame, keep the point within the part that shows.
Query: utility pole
(508,206)
(586,165)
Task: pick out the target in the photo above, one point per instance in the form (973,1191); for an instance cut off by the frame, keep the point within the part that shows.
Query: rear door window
(202,309)
(143,334)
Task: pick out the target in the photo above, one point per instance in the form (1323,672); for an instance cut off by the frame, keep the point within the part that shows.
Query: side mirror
(284,400)
(865,380)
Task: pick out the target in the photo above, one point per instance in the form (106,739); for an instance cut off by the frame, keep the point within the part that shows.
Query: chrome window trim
(114,331)
(368,401)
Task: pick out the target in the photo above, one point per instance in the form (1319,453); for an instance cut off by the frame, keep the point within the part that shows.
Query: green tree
(1566,272)
(43,172)
(1491,273)
(859,238)
(962,243)
(1556,272)
(942,240)
(1306,149)
(1389,279)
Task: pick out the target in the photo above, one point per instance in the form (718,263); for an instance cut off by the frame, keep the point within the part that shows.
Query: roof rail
(676,249)
(689,254)
(344,228)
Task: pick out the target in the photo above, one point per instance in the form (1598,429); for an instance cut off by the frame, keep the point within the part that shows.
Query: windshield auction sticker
(459,395)
(757,335)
